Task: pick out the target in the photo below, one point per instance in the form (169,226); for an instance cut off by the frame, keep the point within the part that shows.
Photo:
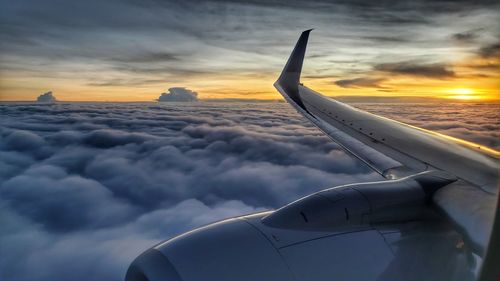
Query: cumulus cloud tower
(178,94)
(47,97)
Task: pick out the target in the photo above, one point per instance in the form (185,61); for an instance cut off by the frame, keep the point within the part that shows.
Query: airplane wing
(430,219)
(396,150)
(391,148)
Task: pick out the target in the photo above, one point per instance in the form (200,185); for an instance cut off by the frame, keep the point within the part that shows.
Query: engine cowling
(374,231)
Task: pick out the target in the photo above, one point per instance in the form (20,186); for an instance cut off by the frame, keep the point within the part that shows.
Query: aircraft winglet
(290,76)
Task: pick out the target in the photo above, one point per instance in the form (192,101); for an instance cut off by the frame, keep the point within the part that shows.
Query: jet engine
(386,230)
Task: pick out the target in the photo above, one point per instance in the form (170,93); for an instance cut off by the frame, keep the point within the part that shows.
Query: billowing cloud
(436,71)
(178,94)
(85,188)
(363,82)
(47,97)
(96,184)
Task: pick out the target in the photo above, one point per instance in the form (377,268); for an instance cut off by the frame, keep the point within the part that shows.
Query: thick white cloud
(84,188)
(47,97)
(178,94)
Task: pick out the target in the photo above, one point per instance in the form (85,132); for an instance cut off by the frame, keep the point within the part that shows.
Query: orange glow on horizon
(249,85)
(234,87)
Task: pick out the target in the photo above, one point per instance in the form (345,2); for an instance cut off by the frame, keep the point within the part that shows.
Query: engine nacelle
(373,231)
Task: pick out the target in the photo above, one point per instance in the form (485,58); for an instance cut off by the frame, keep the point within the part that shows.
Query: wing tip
(290,76)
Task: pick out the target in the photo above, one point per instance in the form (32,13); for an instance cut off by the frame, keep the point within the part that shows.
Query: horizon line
(351,97)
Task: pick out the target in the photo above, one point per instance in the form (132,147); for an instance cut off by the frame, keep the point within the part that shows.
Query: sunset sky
(134,50)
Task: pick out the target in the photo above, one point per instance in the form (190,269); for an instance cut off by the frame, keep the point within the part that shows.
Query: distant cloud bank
(176,94)
(47,97)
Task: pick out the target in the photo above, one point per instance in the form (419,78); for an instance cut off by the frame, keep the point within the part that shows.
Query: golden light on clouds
(464,97)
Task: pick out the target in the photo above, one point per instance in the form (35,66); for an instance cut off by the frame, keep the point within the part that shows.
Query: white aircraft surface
(430,219)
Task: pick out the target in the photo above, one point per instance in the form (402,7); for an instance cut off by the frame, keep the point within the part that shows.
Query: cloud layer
(84,188)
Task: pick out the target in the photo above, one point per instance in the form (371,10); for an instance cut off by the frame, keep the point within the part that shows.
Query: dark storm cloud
(490,51)
(363,82)
(437,71)
(84,188)
(465,37)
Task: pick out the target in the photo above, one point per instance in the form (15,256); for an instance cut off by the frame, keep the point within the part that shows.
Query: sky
(131,50)
(86,187)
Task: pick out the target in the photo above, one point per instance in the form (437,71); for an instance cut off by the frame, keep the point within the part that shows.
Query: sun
(462,91)
(462,94)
